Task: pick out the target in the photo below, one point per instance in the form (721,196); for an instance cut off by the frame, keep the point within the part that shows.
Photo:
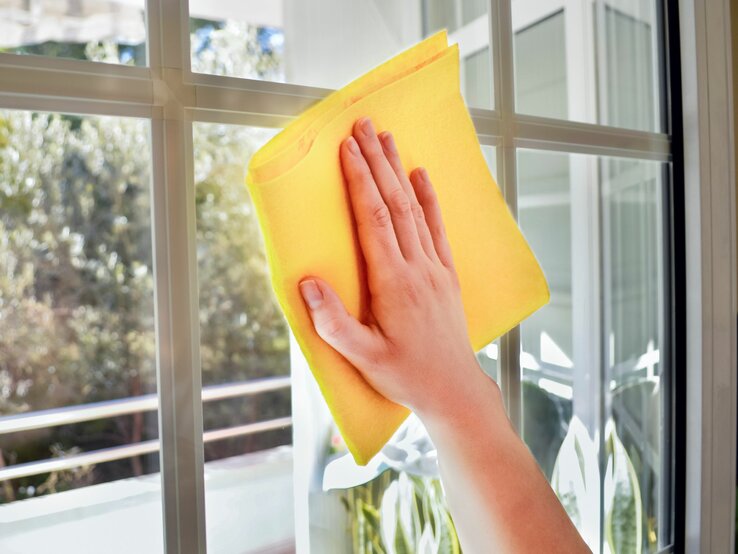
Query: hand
(413,347)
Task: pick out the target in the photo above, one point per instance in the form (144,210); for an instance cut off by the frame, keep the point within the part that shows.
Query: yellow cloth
(305,215)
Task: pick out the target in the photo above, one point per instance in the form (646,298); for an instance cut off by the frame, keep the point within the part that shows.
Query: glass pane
(570,400)
(544,214)
(101,30)
(244,340)
(634,275)
(559,74)
(77,302)
(328,43)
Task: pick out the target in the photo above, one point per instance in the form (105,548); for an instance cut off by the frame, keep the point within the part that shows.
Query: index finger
(373,221)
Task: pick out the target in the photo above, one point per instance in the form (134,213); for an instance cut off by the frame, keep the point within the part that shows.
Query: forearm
(497,495)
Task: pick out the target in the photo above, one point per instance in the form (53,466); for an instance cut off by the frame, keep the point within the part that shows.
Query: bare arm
(495,490)
(413,347)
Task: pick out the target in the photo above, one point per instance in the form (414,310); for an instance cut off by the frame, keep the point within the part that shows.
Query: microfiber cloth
(304,212)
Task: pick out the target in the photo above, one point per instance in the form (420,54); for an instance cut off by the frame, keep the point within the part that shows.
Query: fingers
(352,339)
(374,224)
(393,157)
(393,194)
(429,201)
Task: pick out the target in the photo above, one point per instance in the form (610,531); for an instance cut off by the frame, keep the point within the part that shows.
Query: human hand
(413,345)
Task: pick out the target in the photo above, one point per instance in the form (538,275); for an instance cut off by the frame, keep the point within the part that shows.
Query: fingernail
(311,293)
(389,141)
(352,146)
(424,175)
(366,126)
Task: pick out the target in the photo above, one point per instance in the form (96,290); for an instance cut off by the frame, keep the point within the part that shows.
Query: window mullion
(175,269)
(501,34)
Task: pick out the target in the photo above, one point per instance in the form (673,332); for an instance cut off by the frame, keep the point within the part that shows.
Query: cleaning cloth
(304,212)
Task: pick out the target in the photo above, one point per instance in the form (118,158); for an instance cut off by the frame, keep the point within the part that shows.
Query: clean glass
(635,347)
(244,339)
(111,32)
(596,409)
(77,319)
(328,43)
(595,62)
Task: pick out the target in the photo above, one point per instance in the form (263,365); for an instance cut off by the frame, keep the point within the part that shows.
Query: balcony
(249,498)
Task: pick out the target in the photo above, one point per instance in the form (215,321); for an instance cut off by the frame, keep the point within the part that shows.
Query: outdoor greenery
(76,274)
(400,513)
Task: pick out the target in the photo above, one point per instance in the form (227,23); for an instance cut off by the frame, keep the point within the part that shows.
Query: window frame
(703,247)
(707,341)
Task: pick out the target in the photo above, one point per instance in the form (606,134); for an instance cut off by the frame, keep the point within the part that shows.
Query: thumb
(333,323)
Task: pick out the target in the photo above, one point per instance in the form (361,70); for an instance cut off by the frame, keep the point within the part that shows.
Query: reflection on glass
(559,73)
(570,400)
(77,313)
(634,276)
(631,94)
(540,67)
(243,338)
(544,214)
(327,43)
(102,30)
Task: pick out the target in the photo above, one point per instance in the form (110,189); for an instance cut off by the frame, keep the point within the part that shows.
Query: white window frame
(172,98)
(710,202)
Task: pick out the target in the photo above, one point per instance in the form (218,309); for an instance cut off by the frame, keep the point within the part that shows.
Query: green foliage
(399,513)
(243,332)
(76,284)
(623,506)
(76,277)
(640,400)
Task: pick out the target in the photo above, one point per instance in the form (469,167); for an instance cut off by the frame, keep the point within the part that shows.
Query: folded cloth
(304,211)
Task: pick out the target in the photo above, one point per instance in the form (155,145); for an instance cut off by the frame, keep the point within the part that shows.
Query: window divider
(501,32)
(176,289)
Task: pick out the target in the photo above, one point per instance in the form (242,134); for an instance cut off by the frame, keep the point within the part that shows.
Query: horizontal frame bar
(55,417)
(109,83)
(107,89)
(573,136)
(130,450)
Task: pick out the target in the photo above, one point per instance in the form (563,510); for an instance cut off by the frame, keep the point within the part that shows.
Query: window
(78,364)
(131,259)
(566,405)
(590,61)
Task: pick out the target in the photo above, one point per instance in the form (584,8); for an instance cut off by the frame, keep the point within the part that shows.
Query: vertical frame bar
(677,316)
(710,216)
(501,38)
(176,294)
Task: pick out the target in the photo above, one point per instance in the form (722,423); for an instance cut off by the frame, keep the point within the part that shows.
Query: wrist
(473,398)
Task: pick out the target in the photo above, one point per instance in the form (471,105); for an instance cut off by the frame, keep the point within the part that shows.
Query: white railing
(125,406)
